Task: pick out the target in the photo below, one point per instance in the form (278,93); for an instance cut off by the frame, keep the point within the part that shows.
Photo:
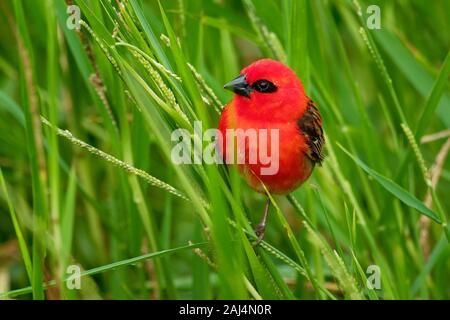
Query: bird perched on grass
(268,95)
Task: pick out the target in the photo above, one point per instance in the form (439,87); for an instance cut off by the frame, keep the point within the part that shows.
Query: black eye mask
(264,86)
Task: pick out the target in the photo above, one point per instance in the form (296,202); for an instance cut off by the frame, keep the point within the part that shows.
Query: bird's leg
(261,227)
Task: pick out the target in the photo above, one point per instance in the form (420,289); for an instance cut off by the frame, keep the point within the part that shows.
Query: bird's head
(268,88)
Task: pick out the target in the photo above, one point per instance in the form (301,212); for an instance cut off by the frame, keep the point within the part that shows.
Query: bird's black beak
(239,86)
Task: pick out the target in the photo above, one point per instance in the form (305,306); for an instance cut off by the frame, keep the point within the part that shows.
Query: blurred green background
(137,70)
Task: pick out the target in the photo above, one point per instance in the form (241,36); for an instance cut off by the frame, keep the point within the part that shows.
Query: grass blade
(20,238)
(109,267)
(397,191)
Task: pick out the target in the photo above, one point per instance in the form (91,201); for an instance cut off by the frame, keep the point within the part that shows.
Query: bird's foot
(260,228)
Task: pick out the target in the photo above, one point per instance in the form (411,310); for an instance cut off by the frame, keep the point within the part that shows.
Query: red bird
(268,95)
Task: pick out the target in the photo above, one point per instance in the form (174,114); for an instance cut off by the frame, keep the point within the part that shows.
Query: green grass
(86,176)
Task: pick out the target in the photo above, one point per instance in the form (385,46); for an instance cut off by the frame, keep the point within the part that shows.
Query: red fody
(268,95)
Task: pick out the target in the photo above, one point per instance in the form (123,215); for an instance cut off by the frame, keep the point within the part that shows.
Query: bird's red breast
(270,96)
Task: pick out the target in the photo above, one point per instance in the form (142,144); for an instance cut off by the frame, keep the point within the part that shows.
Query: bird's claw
(260,233)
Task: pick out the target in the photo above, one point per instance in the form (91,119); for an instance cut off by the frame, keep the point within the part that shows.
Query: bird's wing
(310,125)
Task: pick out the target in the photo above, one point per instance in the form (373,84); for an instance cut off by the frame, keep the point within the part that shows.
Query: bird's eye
(264,86)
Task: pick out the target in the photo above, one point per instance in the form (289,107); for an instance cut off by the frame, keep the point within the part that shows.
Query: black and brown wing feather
(310,125)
